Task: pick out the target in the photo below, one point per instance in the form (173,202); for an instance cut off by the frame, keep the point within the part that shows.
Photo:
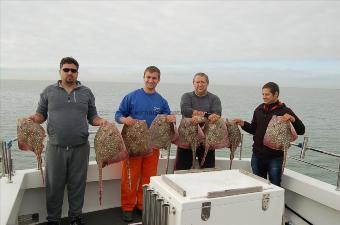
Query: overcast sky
(296,43)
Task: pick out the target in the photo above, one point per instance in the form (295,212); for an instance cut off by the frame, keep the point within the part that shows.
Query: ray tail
(167,163)
(100,168)
(206,149)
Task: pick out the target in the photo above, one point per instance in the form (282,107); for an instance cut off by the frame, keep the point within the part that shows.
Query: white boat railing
(304,147)
(7,161)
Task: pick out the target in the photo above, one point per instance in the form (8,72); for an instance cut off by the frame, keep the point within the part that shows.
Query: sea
(319,109)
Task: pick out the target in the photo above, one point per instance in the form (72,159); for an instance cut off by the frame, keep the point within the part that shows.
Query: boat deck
(24,200)
(104,217)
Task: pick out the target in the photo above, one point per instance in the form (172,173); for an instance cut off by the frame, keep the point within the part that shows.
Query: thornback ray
(234,134)
(109,148)
(278,136)
(31,137)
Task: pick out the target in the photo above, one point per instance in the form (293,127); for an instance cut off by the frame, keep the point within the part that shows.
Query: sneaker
(127,216)
(77,221)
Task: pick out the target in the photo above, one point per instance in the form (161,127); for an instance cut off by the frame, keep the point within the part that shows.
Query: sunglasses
(66,70)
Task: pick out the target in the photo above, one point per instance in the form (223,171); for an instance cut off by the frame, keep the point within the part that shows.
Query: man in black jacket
(266,160)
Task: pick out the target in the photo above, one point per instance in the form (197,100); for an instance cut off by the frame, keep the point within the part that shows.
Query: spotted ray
(216,136)
(190,136)
(137,141)
(278,136)
(110,148)
(31,138)
(234,134)
(137,138)
(162,133)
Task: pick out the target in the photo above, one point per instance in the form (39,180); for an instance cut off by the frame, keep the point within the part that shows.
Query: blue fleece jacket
(142,106)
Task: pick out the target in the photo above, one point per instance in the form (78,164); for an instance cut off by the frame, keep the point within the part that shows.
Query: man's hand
(98,121)
(36,118)
(198,119)
(197,113)
(103,122)
(127,121)
(213,118)
(194,120)
(287,117)
(237,121)
(171,118)
(31,118)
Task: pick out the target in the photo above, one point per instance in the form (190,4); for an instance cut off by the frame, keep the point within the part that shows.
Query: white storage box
(227,197)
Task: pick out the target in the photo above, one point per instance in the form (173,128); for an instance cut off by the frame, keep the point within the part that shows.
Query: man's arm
(216,106)
(123,112)
(216,109)
(186,108)
(296,122)
(166,110)
(247,127)
(41,113)
(92,114)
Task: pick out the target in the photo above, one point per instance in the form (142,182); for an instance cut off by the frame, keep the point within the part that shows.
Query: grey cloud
(132,33)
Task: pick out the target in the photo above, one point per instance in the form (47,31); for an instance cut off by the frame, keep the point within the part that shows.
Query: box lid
(215,183)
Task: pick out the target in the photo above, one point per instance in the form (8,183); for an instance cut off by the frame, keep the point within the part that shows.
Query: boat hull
(315,201)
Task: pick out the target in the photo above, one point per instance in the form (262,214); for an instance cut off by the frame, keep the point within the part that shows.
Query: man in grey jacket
(199,102)
(68,107)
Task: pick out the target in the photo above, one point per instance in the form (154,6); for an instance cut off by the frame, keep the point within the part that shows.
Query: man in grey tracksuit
(68,107)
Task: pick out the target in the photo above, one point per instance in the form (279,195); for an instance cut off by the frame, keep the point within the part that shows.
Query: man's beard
(70,81)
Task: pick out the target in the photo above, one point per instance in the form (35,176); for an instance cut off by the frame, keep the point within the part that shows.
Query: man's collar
(201,95)
(58,84)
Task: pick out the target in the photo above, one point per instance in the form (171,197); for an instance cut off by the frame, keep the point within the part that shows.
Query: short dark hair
(153,69)
(68,60)
(273,87)
(201,75)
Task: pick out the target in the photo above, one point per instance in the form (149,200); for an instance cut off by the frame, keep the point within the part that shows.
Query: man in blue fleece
(142,104)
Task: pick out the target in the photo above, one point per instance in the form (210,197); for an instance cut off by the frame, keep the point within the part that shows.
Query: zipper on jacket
(74,96)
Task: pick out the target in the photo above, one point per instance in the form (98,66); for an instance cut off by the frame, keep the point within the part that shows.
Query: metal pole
(300,145)
(154,196)
(159,202)
(148,210)
(304,147)
(165,213)
(3,161)
(324,152)
(241,147)
(5,157)
(145,202)
(338,182)
(10,166)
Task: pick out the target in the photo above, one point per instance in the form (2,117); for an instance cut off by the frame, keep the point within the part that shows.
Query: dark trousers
(65,167)
(184,158)
(272,166)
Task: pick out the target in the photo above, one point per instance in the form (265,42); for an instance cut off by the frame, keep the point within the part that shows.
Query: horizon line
(172,82)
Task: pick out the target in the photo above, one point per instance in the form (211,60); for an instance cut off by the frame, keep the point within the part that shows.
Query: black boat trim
(301,217)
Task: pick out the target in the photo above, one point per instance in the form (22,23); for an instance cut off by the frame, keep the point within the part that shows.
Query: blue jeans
(263,166)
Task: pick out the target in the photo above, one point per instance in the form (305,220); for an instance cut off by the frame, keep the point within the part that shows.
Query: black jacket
(258,126)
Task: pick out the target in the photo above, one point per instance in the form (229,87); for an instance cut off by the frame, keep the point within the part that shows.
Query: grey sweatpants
(65,166)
